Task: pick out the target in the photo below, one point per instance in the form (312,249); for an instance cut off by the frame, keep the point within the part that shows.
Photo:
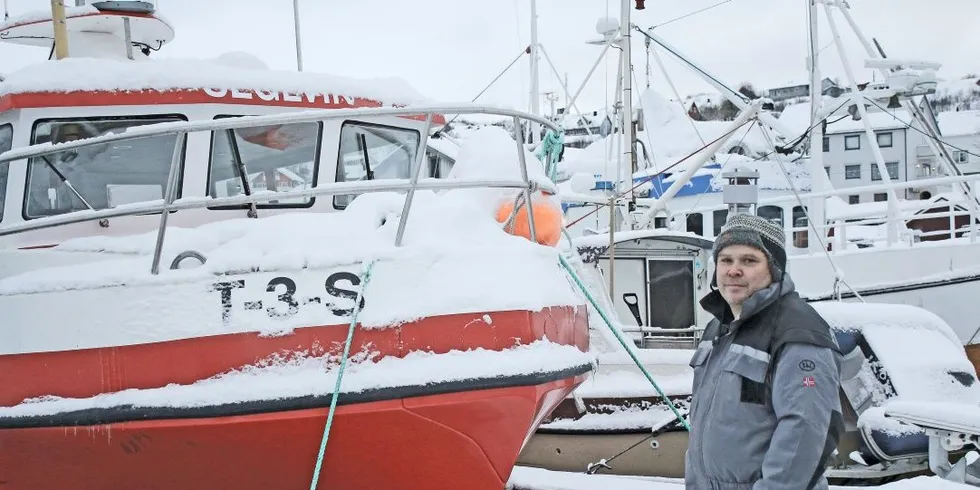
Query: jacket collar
(715,304)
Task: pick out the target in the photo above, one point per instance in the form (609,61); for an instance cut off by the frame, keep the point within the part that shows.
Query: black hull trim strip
(606,432)
(898,289)
(129,413)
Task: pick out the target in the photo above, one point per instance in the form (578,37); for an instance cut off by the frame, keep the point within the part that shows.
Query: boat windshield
(100,176)
(371,151)
(276,158)
(6,142)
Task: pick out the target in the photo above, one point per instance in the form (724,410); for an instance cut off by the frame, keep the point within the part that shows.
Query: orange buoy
(547,221)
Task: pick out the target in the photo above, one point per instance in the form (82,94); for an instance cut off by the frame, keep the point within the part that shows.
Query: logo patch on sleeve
(809,381)
(807,365)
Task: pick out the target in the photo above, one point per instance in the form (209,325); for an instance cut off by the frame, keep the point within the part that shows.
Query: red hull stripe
(105,416)
(85,373)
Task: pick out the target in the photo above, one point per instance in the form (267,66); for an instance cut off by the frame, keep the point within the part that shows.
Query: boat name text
(275,96)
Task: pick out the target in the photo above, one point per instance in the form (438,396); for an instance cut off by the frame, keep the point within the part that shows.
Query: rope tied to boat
(550,150)
(365,278)
(629,350)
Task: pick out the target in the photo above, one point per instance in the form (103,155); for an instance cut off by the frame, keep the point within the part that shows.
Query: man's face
(68,132)
(741,271)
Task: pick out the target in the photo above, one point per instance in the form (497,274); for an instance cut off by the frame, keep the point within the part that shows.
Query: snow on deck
(90,74)
(455,258)
(316,376)
(621,418)
(525,478)
(629,382)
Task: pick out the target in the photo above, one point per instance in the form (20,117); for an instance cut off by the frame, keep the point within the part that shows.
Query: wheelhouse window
(695,223)
(6,142)
(801,234)
(101,176)
(826,144)
(771,213)
(372,151)
(718,217)
(278,158)
(884,140)
(852,172)
(852,142)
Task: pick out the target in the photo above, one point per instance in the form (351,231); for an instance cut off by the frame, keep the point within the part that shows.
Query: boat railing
(959,205)
(182,128)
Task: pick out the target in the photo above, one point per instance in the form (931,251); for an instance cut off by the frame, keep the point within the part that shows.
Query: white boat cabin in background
(109,85)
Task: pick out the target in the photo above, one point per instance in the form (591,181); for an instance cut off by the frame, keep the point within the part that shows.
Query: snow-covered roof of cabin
(444,145)
(797,118)
(959,123)
(916,346)
(90,74)
(45,15)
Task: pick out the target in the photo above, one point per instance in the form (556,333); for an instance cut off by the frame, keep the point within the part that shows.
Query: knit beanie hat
(753,231)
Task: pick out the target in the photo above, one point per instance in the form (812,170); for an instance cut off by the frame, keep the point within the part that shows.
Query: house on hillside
(788,92)
(581,130)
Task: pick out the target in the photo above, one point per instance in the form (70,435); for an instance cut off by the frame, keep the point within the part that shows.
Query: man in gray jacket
(766,411)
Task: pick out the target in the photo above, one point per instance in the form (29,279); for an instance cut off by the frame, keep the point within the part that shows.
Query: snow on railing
(181,129)
(869,223)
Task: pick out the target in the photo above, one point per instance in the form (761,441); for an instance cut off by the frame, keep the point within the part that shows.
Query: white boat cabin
(108,87)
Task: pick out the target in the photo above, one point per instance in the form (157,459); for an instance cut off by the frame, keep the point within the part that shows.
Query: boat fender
(547,220)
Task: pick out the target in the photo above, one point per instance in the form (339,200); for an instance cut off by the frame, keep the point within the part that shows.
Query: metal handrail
(182,128)
(845,191)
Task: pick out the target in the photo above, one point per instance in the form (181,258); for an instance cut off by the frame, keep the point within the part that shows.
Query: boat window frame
(317,152)
(34,127)
(340,141)
(5,168)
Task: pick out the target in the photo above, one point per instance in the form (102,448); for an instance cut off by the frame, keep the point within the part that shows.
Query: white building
(848,157)
(961,131)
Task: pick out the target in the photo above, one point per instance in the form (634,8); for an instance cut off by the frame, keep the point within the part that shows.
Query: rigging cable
(692,13)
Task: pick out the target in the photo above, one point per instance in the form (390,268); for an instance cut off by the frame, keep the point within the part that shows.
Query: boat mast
(296,33)
(534,100)
(628,136)
(819,181)
(60,29)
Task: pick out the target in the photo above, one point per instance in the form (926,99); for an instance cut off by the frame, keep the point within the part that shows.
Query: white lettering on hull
(304,98)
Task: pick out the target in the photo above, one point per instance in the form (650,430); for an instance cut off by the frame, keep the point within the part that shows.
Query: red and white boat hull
(453,433)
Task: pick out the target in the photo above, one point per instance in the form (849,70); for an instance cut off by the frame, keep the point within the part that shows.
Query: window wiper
(67,183)
(242,171)
(362,143)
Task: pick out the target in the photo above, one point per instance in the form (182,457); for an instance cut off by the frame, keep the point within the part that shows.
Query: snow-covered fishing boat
(166,321)
(147,372)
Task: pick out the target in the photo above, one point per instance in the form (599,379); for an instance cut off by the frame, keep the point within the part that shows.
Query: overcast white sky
(450,49)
